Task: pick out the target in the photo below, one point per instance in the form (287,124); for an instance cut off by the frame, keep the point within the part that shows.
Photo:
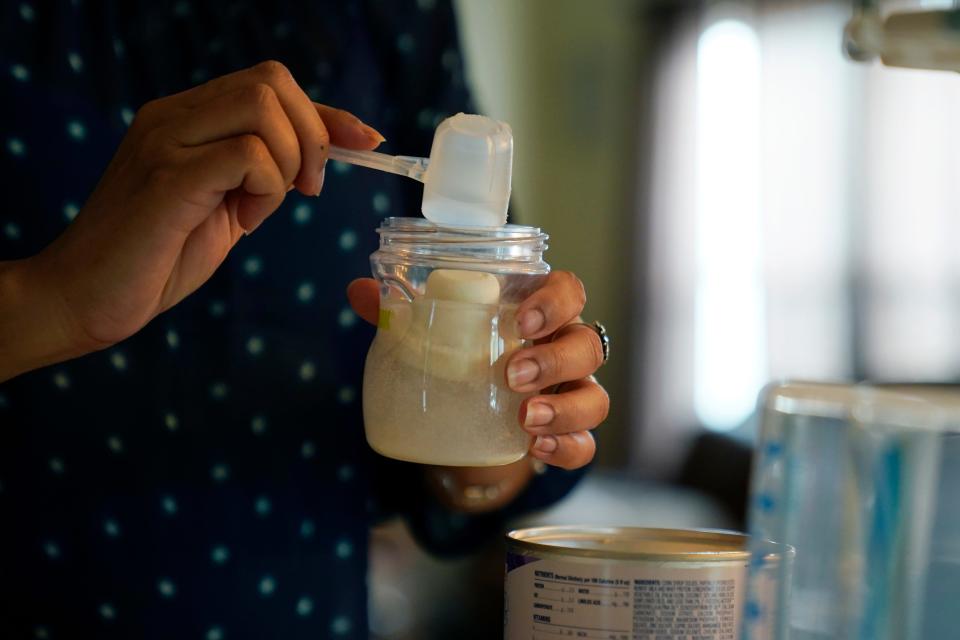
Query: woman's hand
(559,367)
(195,172)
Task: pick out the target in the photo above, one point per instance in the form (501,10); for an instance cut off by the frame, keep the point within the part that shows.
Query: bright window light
(729,328)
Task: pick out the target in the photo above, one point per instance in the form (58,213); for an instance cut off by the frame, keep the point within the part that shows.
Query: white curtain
(805,219)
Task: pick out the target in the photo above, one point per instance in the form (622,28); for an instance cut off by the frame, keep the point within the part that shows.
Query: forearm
(33,324)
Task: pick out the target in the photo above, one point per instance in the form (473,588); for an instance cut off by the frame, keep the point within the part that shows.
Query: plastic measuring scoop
(467,176)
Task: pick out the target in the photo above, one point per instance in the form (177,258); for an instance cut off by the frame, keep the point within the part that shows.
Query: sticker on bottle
(384,321)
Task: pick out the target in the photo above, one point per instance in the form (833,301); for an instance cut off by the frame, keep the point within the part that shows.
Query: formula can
(624,583)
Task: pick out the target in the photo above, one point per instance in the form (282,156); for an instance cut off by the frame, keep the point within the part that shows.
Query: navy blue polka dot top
(208,478)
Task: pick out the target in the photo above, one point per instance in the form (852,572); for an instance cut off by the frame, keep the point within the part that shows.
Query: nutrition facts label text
(685,609)
(670,604)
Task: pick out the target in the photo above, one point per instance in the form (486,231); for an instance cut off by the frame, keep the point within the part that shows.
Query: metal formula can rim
(633,543)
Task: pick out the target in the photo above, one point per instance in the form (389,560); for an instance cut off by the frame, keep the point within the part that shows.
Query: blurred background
(743,204)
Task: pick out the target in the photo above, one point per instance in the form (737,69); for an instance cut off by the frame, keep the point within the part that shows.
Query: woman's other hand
(559,367)
(195,172)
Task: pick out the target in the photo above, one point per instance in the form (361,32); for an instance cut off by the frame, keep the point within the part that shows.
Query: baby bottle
(434,387)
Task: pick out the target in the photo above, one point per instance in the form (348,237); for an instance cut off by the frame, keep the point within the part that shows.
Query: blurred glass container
(434,387)
(864,483)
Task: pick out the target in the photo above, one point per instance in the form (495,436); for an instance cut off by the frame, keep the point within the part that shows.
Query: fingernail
(289,187)
(538,414)
(520,372)
(545,444)
(372,133)
(252,228)
(323,172)
(531,322)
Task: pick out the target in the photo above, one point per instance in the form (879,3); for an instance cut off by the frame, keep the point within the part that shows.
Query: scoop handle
(409,166)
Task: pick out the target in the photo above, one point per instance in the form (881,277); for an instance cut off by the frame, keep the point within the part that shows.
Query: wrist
(34,327)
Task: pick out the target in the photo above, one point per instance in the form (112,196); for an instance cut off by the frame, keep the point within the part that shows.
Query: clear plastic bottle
(434,388)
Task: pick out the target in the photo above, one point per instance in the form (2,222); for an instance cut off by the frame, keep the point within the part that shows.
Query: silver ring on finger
(601,332)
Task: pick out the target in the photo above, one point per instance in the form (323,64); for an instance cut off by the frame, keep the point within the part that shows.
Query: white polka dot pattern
(304,606)
(302,213)
(182,487)
(70,211)
(115,444)
(347,318)
(307,529)
(57,466)
(61,380)
(77,130)
(111,528)
(219,390)
(118,360)
(348,240)
(344,549)
(381,203)
(307,371)
(16,147)
(406,43)
(267,586)
(308,449)
(166,587)
(169,505)
(75,61)
(220,472)
(255,345)
(262,506)
(346,395)
(305,292)
(219,554)
(341,625)
(253,265)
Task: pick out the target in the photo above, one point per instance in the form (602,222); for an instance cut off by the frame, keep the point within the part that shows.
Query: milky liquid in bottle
(434,385)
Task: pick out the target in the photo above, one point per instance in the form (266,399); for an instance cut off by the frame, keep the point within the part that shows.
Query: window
(805,218)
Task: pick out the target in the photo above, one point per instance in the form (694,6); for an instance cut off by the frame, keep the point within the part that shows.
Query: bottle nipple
(449,334)
(463,286)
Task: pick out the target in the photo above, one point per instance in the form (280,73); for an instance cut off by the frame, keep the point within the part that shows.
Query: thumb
(364,297)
